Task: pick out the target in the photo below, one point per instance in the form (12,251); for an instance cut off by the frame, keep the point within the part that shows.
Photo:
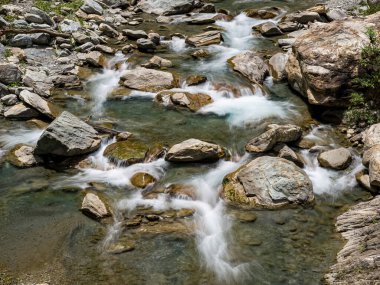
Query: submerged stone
(128,152)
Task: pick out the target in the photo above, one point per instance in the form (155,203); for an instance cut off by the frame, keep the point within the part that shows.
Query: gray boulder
(67,135)
(92,7)
(21,40)
(146,45)
(268,182)
(274,134)
(9,73)
(251,66)
(135,34)
(269,29)
(42,39)
(149,80)
(194,150)
(43,15)
(338,159)
(167,7)
(277,64)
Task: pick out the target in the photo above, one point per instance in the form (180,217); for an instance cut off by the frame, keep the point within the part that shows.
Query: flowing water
(44,238)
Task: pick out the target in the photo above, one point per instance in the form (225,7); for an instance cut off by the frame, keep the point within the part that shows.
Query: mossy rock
(190,101)
(126,152)
(142,180)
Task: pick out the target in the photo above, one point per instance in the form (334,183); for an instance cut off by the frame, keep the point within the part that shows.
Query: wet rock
(142,180)
(135,34)
(108,30)
(157,62)
(92,7)
(287,153)
(20,111)
(338,159)
(251,66)
(363,179)
(94,207)
(274,134)
(167,7)
(121,247)
(41,105)
(96,58)
(187,100)
(22,156)
(195,80)
(269,29)
(67,135)
(208,8)
(286,43)
(123,136)
(268,182)
(201,53)
(146,45)
(155,38)
(264,13)
(127,152)
(303,17)
(288,27)
(194,150)
(9,73)
(277,65)
(181,191)
(149,80)
(358,261)
(321,68)
(205,39)
(9,100)
(246,217)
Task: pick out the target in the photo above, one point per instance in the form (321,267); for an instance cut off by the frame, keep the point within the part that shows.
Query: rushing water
(44,238)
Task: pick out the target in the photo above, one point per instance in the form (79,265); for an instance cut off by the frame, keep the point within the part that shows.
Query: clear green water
(45,238)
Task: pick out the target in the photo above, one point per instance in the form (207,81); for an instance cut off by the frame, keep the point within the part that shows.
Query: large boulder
(9,73)
(94,207)
(39,81)
(371,155)
(251,66)
(41,105)
(190,101)
(66,136)
(149,80)
(303,17)
(167,7)
(358,261)
(338,159)
(274,134)
(269,29)
(194,150)
(268,182)
(325,59)
(205,39)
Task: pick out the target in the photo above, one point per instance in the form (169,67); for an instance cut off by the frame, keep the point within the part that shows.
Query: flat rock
(194,150)
(20,111)
(338,159)
(190,101)
(149,80)
(41,105)
(268,182)
(274,134)
(205,39)
(67,135)
(126,152)
(251,66)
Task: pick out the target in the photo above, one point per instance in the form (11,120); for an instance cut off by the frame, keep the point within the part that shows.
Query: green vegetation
(364,103)
(8,53)
(69,8)
(15,84)
(372,9)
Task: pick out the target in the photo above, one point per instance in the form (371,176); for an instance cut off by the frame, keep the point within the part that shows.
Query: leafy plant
(365,101)
(8,53)
(372,9)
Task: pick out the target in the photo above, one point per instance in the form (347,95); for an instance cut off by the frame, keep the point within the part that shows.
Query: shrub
(365,101)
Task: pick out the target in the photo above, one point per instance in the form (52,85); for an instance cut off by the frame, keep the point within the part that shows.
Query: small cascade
(13,137)
(104,83)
